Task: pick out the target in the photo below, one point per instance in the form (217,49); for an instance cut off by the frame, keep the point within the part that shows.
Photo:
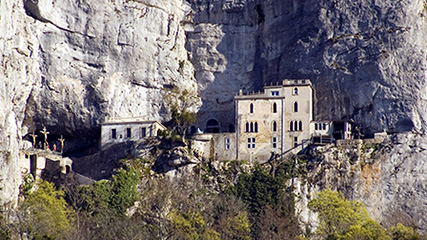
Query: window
(231,128)
(291,126)
(295,126)
(274,93)
(295,107)
(324,126)
(274,126)
(212,126)
(252,127)
(295,91)
(300,125)
(274,107)
(143,132)
(316,127)
(295,141)
(128,132)
(113,133)
(251,142)
(251,108)
(227,144)
(274,141)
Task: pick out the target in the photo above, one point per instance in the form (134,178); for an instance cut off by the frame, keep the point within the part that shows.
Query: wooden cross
(34,139)
(45,133)
(62,140)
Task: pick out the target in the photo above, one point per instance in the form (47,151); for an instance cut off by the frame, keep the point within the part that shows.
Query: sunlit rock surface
(69,65)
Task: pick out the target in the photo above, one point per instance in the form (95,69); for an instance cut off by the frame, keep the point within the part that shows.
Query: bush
(340,218)
(44,213)
(114,196)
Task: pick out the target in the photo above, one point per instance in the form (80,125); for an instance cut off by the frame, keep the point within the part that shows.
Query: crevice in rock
(149,5)
(32,10)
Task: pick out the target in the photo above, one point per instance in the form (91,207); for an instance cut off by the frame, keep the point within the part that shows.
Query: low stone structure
(127,129)
(35,161)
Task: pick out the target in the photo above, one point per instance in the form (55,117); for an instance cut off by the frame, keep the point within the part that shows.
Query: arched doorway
(231,128)
(192,130)
(212,126)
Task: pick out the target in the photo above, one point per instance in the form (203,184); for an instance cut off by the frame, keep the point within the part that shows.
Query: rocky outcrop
(389,178)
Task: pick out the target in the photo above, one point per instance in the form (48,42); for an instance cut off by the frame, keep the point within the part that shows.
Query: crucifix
(45,133)
(62,140)
(34,139)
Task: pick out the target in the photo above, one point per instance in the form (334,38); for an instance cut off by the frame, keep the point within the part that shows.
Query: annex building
(119,130)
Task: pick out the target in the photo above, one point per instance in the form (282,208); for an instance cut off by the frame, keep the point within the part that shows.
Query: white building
(273,121)
(123,130)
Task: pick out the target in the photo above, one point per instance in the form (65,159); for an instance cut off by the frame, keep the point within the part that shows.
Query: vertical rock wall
(68,65)
(390,178)
(367,59)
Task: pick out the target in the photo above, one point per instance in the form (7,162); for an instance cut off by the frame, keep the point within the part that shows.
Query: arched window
(295,107)
(291,126)
(212,126)
(256,127)
(300,125)
(251,108)
(252,127)
(295,91)
(274,108)
(274,126)
(316,126)
(247,127)
(295,125)
(324,126)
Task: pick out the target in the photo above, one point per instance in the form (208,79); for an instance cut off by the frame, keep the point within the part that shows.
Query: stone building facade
(123,130)
(273,121)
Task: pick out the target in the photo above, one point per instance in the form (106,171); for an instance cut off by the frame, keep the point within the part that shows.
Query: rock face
(367,59)
(68,65)
(389,178)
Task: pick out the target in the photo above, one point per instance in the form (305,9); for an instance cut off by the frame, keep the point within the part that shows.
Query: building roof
(291,83)
(277,85)
(136,120)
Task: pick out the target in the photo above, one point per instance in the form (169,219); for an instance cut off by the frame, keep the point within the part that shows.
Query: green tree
(124,189)
(401,232)
(181,104)
(44,213)
(191,225)
(340,218)
(258,189)
(116,195)
(236,227)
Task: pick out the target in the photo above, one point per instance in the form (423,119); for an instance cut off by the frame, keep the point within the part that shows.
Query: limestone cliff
(367,59)
(389,178)
(68,65)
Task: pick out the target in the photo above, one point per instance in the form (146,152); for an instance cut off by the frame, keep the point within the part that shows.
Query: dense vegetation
(139,204)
